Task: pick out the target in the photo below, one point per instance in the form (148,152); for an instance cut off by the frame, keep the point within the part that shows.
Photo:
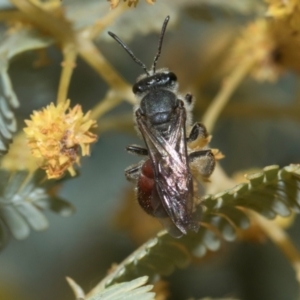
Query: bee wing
(175,187)
(172,176)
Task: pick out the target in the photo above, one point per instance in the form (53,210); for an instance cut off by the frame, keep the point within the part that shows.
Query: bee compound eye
(172,78)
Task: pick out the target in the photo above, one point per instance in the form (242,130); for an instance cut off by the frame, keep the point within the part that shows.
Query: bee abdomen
(145,187)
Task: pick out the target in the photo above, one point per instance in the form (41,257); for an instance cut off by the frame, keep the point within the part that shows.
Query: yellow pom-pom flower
(55,135)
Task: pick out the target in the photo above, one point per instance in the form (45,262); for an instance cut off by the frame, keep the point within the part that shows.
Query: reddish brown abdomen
(145,187)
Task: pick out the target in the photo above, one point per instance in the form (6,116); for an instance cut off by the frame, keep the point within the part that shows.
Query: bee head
(165,79)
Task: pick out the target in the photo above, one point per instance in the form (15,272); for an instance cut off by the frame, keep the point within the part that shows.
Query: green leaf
(8,102)
(11,45)
(23,197)
(271,192)
(132,290)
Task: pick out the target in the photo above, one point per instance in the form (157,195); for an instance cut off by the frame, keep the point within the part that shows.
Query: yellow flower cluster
(285,9)
(115,3)
(272,43)
(257,42)
(55,135)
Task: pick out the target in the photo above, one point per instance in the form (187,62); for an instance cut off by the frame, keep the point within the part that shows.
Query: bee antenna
(161,38)
(135,59)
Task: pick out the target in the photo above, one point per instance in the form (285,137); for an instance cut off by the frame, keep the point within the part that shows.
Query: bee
(164,182)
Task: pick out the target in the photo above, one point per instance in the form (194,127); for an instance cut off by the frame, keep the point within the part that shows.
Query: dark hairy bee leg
(132,172)
(204,160)
(198,131)
(138,150)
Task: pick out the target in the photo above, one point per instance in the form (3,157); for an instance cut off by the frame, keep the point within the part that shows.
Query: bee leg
(134,149)
(132,173)
(203,161)
(198,131)
(188,98)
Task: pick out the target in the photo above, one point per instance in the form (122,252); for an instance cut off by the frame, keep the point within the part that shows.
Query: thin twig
(123,122)
(68,65)
(100,25)
(91,54)
(12,15)
(111,100)
(229,85)
(63,33)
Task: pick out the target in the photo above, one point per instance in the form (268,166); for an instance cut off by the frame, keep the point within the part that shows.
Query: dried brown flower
(55,135)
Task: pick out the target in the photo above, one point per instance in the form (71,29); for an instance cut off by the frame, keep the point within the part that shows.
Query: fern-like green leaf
(11,45)
(23,197)
(8,102)
(132,290)
(270,192)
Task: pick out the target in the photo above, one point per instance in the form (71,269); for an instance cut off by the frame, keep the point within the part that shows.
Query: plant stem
(93,31)
(123,122)
(111,99)
(229,85)
(90,53)
(11,15)
(68,65)
(63,33)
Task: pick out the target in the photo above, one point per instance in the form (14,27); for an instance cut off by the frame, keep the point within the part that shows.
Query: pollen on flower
(55,136)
